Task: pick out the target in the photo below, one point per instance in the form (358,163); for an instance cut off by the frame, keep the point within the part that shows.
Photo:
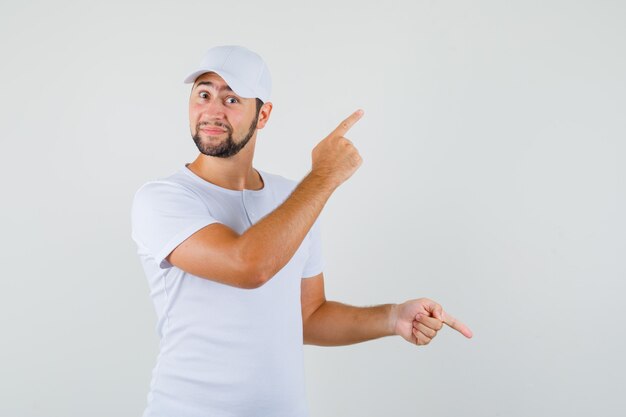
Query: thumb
(438,313)
(435,310)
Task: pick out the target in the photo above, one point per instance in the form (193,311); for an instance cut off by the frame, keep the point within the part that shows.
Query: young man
(233,258)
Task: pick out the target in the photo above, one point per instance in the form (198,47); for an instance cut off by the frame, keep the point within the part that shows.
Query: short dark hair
(259,104)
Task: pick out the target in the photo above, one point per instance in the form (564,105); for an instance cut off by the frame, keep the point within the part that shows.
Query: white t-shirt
(224,351)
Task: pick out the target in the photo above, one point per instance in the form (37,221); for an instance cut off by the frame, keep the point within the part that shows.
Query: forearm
(336,324)
(272,241)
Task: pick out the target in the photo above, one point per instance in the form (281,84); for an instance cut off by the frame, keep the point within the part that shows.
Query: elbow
(255,274)
(253,282)
(256,267)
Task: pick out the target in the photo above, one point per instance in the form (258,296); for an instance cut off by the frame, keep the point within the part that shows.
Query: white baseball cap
(243,70)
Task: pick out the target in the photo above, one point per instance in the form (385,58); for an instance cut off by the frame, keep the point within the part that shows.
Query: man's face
(221,122)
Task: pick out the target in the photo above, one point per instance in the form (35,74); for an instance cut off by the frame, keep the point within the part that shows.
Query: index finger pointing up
(456,325)
(344,126)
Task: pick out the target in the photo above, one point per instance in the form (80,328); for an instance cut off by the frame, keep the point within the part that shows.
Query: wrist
(392,319)
(323,180)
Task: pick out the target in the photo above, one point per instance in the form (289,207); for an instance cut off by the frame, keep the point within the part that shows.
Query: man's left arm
(329,323)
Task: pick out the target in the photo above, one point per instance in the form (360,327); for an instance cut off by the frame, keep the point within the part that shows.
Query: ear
(264,114)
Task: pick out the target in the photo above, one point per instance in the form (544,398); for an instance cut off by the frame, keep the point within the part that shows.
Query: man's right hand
(250,259)
(335,158)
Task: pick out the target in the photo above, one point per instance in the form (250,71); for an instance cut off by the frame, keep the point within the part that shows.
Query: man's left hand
(418,321)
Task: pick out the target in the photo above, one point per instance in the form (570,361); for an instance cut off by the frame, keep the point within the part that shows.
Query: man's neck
(234,173)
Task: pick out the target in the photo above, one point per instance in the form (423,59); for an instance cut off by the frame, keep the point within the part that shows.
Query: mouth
(213,130)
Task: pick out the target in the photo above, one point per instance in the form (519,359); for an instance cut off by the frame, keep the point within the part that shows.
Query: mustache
(217,124)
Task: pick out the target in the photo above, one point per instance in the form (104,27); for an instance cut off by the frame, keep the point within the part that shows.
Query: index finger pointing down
(456,325)
(344,126)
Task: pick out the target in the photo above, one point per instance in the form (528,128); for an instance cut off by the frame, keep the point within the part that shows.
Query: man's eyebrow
(210,84)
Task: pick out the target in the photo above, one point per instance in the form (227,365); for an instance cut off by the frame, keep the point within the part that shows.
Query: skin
(219,108)
(251,259)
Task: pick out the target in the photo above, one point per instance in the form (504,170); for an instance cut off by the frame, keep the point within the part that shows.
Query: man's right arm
(249,260)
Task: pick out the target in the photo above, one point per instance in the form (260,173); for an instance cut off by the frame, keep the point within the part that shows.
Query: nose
(214,109)
(213,113)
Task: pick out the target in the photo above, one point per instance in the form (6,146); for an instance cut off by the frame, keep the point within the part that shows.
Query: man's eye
(232,98)
(204,94)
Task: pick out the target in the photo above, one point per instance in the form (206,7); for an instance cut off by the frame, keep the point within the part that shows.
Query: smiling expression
(221,122)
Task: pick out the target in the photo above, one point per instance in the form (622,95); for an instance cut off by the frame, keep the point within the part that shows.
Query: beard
(228,147)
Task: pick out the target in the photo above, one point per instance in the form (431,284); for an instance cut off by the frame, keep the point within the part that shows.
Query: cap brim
(238,87)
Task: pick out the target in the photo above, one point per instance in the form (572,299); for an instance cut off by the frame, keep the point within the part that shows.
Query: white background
(493,182)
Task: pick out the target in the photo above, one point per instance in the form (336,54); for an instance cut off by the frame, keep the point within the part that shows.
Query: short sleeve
(315,262)
(163,215)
